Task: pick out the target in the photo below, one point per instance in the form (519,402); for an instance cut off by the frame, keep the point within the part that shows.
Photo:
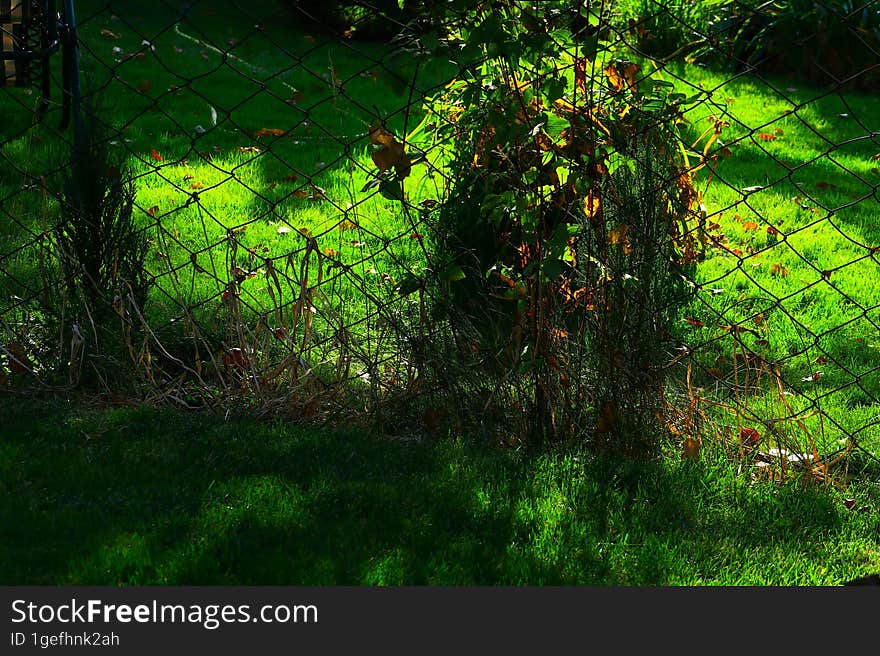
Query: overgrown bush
(563,238)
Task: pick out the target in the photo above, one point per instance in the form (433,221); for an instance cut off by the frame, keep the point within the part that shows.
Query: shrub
(100,249)
(825,42)
(562,240)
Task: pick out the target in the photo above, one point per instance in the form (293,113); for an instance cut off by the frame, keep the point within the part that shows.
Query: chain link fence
(296,168)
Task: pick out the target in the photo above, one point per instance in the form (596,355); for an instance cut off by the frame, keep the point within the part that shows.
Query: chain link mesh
(287,275)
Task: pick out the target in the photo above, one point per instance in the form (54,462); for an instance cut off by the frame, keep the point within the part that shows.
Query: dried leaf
(156,156)
(273,132)
(778,270)
(749,436)
(391,153)
(19,363)
(690,448)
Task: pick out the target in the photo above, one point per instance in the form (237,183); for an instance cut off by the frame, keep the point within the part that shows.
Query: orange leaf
(197,185)
(274,132)
(156,156)
(750,225)
(619,234)
(749,436)
(766,136)
(392,152)
(690,448)
(695,322)
(778,270)
(153,211)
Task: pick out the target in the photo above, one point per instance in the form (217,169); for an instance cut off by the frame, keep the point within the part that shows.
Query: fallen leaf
(275,132)
(849,503)
(156,156)
(750,225)
(107,34)
(695,322)
(283,230)
(145,86)
(235,358)
(778,270)
(690,448)
(197,185)
(153,211)
(749,436)
(766,136)
(248,149)
(330,252)
(813,377)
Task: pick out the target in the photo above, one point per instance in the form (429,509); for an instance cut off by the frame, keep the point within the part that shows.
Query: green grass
(213,70)
(798,267)
(177,499)
(141,496)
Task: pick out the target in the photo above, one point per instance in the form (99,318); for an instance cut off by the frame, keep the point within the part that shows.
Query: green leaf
(553,268)
(452,273)
(391,189)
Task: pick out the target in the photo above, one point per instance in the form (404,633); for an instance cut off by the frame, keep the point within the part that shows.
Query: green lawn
(268,126)
(141,496)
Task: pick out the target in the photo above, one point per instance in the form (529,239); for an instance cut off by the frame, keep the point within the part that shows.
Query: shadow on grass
(141,497)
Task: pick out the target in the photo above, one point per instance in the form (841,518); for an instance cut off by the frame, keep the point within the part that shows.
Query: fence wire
(290,187)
